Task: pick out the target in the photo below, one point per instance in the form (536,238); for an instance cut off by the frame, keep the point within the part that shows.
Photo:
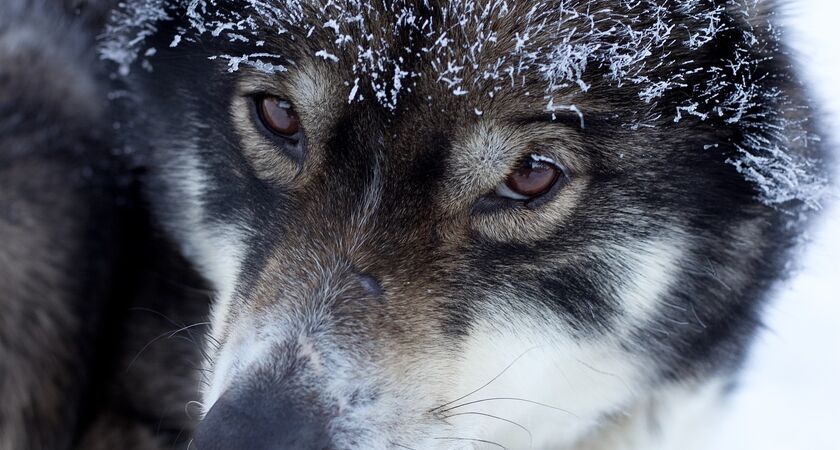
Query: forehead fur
(467,45)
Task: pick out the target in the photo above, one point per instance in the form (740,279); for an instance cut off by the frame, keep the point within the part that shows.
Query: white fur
(601,388)
(586,379)
(217,250)
(651,270)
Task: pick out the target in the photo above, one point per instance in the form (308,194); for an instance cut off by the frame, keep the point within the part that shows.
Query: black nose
(256,419)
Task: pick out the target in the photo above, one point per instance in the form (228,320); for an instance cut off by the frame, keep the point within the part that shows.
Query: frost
(353,91)
(569,47)
(542,158)
(256,60)
(552,108)
(326,55)
(128,30)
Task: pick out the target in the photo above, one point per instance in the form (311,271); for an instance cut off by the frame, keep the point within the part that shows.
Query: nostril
(260,420)
(371,285)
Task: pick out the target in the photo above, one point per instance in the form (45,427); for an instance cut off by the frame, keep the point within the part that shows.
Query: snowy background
(790,397)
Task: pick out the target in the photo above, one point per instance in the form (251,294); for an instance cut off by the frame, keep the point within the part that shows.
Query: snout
(262,418)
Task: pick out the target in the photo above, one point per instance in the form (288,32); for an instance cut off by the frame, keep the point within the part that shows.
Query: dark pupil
(278,117)
(532,178)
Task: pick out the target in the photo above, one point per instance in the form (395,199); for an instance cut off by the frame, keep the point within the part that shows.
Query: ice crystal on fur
(128,29)
(575,46)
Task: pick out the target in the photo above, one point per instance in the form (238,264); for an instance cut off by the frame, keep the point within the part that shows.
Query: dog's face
(430,260)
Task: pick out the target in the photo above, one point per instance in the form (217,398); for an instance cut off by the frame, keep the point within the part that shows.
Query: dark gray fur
(50,223)
(83,285)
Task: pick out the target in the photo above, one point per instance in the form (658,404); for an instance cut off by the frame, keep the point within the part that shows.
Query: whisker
(210,338)
(511,399)
(145,347)
(484,441)
(488,383)
(214,341)
(189,340)
(155,312)
(168,334)
(530,436)
(189,327)
(177,438)
(192,403)
(604,372)
(401,446)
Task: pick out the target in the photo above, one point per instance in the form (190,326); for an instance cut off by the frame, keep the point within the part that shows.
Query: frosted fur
(575,46)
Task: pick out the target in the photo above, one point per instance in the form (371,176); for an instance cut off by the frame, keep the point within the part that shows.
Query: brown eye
(532,178)
(278,116)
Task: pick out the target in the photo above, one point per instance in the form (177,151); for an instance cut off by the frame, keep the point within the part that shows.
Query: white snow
(326,55)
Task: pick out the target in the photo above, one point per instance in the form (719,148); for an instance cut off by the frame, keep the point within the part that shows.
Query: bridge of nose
(374,217)
(362,230)
(397,155)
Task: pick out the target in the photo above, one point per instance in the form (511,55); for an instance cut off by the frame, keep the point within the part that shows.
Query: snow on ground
(790,396)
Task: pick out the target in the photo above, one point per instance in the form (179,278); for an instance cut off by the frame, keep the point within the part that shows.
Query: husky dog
(468,223)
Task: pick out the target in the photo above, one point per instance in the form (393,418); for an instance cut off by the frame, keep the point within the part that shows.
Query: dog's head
(435,225)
